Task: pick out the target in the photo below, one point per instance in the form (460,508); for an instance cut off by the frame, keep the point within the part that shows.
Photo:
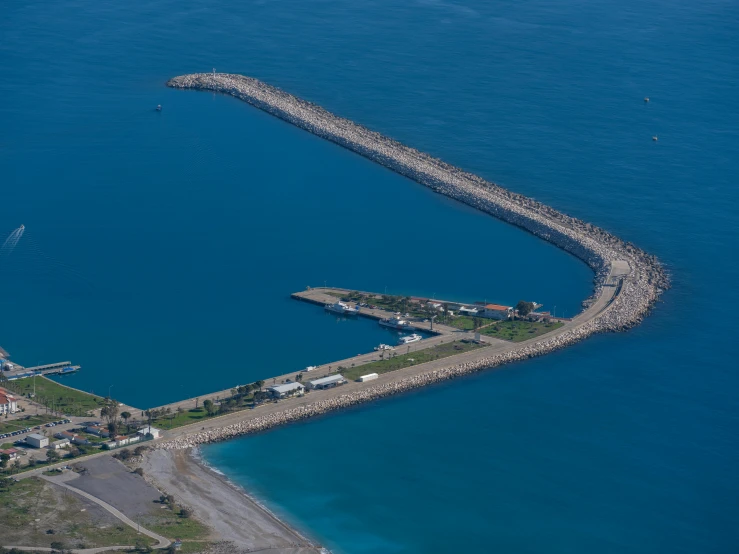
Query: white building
(496,311)
(464,310)
(37,441)
(56,445)
(368,377)
(156,433)
(122,440)
(8,402)
(281,391)
(327,382)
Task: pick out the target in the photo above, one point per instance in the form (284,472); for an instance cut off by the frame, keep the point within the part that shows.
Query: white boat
(384,347)
(342,308)
(411,338)
(397,323)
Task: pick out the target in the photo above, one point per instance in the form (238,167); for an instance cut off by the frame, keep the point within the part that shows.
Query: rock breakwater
(642,279)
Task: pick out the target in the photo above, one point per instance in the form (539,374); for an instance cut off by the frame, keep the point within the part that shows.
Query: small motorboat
(159,107)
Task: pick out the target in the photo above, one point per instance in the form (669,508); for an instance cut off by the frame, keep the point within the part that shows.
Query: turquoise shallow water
(162,244)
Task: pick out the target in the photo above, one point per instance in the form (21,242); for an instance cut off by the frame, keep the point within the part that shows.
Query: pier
(58,368)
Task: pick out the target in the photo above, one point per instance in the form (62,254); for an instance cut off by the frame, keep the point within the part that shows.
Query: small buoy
(159,107)
(646,98)
(654,138)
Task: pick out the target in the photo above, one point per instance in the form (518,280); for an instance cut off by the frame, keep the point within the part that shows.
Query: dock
(58,368)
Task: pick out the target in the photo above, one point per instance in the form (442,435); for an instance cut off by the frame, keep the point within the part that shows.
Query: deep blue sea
(160,249)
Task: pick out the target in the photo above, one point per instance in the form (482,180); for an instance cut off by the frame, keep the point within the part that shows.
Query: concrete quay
(322,296)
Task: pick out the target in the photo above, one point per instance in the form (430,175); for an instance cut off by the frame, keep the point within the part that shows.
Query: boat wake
(12,241)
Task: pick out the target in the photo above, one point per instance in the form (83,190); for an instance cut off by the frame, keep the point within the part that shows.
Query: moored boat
(397,323)
(342,308)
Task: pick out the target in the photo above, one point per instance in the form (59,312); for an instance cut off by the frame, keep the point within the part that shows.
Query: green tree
(524,308)
(208,405)
(125,417)
(4,459)
(52,455)
(260,384)
(110,411)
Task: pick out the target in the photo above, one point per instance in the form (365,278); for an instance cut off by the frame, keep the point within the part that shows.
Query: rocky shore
(640,285)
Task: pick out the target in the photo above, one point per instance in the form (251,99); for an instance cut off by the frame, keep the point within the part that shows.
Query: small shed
(368,377)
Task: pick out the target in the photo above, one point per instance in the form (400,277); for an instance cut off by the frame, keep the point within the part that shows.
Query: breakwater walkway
(627,283)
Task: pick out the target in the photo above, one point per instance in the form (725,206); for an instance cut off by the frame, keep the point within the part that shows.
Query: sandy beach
(235,519)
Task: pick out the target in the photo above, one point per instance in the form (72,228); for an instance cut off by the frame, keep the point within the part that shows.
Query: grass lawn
(411,359)
(10,425)
(518,331)
(36,513)
(196,414)
(463,322)
(385,302)
(180,419)
(173,526)
(56,396)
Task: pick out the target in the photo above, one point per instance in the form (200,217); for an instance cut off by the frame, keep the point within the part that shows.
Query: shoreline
(627,283)
(197,458)
(237,520)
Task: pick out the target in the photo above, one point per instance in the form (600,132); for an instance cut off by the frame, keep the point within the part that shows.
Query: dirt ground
(36,513)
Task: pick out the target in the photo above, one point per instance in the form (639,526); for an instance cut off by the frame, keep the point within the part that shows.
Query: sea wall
(640,287)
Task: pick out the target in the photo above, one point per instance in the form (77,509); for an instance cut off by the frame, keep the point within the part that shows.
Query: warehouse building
(37,441)
(327,382)
(288,389)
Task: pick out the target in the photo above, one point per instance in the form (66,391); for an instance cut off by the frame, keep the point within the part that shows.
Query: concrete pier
(322,296)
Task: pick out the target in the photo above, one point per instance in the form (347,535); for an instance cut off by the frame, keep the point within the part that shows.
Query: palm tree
(260,384)
(125,416)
